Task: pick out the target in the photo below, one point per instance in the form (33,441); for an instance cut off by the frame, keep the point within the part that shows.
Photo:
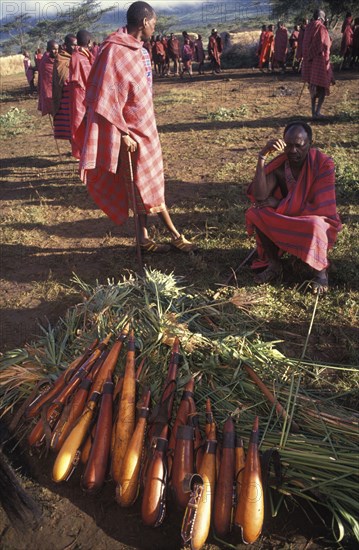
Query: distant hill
(191,16)
(186,16)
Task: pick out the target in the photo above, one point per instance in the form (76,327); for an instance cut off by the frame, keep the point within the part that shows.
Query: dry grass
(11,64)
(245,38)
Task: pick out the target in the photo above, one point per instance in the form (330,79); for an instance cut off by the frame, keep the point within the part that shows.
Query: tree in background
(22,34)
(334,9)
(17,30)
(164,23)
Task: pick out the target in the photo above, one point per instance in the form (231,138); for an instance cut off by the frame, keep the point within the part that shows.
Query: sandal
(151,246)
(269,275)
(183,244)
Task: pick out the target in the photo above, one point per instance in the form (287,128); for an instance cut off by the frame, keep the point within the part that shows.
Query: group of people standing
(165,50)
(310,46)
(108,98)
(279,49)
(62,77)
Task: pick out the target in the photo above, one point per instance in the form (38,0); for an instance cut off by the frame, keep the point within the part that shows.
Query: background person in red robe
(261,41)
(159,56)
(37,58)
(293,45)
(294,206)
(61,89)
(120,119)
(44,85)
(266,54)
(316,68)
(280,47)
(173,49)
(299,53)
(186,55)
(355,48)
(80,67)
(215,48)
(347,40)
(29,72)
(199,54)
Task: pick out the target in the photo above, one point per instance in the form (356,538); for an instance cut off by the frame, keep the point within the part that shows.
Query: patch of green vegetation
(347,172)
(224,113)
(16,121)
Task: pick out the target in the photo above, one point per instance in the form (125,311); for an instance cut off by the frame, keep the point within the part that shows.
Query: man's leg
(321,97)
(274,269)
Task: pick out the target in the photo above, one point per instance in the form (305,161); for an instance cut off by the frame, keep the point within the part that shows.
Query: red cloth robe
(199,54)
(316,68)
(213,50)
(29,70)
(173,47)
(347,41)
(267,48)
(80,67)
(305,222)
(280,45)
(119,101)
(46,68)
(261,41)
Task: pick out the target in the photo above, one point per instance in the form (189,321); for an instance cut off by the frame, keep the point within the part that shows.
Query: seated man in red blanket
(294,206)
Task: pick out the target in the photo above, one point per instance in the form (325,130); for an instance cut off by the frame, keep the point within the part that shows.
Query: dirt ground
(53,229)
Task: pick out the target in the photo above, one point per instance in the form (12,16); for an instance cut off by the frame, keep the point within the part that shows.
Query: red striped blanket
(119,101)
(306,222)
(80,67)
(62,117)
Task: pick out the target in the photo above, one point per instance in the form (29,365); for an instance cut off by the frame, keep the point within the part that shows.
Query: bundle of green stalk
(219,344)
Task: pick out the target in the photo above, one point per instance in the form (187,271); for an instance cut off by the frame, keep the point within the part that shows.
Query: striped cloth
(62,118)
(316,67)
(119,101)
(306,222)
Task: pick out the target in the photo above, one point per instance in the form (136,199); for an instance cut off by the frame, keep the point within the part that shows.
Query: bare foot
(273,273)
(320,283)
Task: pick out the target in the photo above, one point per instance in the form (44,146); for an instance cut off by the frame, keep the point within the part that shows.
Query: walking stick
(57,145)
(135,215)
(301,93)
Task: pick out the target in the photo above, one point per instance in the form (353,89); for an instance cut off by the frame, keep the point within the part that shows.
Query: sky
(42,9)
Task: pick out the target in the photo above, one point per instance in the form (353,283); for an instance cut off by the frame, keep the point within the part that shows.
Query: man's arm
(263,185)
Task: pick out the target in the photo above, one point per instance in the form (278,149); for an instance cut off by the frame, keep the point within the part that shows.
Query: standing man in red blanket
(173,48)
(215,48)
(120,119)
(80,67)
(266,54)
(347,40)
(316,67)
(280,47)
(46,68)
(294,206)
